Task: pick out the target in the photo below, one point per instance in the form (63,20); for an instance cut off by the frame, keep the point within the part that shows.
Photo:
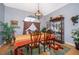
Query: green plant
(43,30)
(75,35)
(7,32)
(75,19)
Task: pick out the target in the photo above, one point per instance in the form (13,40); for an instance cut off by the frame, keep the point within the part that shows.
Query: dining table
(24,40)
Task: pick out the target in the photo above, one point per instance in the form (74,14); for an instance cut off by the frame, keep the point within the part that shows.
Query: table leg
(31,50)
(16,51)
(39,48)
(44,47)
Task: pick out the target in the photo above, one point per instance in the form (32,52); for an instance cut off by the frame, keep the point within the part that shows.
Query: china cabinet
(57,26)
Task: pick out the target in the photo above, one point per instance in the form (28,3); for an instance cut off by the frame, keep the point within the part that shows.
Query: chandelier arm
(38,6)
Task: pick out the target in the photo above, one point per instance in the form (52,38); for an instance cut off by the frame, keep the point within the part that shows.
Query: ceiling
(45,8)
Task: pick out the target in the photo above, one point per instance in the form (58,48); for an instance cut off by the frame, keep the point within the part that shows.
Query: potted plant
(7,32)
(43,29)
(76,37)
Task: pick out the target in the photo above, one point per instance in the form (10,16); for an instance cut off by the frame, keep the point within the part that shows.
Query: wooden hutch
(57,26)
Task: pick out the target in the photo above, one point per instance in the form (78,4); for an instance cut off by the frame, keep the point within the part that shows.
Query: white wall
(43,21)
(12,13)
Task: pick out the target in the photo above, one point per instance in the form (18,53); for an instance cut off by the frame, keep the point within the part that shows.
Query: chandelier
(38,14)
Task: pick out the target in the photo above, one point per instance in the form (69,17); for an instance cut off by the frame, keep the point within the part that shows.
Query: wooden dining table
(24,40)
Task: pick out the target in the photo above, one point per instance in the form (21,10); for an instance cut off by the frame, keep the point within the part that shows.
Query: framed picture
(14,23)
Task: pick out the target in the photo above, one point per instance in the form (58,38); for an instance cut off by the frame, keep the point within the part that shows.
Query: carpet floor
(48,51)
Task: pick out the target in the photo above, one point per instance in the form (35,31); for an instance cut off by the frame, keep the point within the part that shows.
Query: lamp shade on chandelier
(38,14)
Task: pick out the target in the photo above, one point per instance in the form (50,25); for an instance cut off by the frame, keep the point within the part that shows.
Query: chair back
(35,37)
(47,36)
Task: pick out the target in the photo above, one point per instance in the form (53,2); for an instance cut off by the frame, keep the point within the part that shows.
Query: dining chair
(35,41)
(48,39)
(55,46)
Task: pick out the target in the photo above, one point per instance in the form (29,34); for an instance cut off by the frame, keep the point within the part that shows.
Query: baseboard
(70,43)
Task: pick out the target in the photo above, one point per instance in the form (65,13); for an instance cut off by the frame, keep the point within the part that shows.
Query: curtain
(26,26)
(37,25)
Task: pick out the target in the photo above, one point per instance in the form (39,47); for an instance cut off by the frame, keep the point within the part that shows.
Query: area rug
(48,51)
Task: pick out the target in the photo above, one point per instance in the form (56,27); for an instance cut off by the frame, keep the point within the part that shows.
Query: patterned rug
(48,51)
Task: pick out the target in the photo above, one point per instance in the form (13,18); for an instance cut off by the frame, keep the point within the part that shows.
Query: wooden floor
(3,49)
(73,51)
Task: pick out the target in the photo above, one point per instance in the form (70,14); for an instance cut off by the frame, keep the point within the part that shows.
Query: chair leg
(31,51)
(39,49)
(44,47)
(16,51)
(53,42)
(49,44)
(27,48)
